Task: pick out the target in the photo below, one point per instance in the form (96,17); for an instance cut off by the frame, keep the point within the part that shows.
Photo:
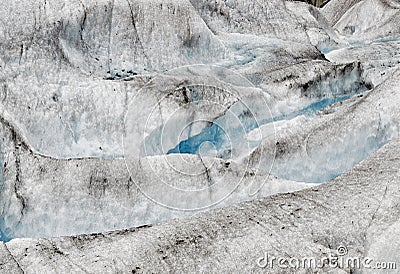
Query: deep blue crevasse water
(213,134)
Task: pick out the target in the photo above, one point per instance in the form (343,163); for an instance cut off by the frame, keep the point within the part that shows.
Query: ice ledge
(352,211)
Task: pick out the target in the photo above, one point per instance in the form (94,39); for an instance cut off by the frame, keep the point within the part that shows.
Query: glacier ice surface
(69,86)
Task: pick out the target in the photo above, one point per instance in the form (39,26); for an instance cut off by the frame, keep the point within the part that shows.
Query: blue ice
(223,137)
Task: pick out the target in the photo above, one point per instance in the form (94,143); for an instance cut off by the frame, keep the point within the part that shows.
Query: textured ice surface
(370,20)
(358,210)
(338,139)
(262,86)
(334,10)
(377,67)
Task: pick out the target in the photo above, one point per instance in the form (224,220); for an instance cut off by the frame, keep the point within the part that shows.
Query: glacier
(196,135)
